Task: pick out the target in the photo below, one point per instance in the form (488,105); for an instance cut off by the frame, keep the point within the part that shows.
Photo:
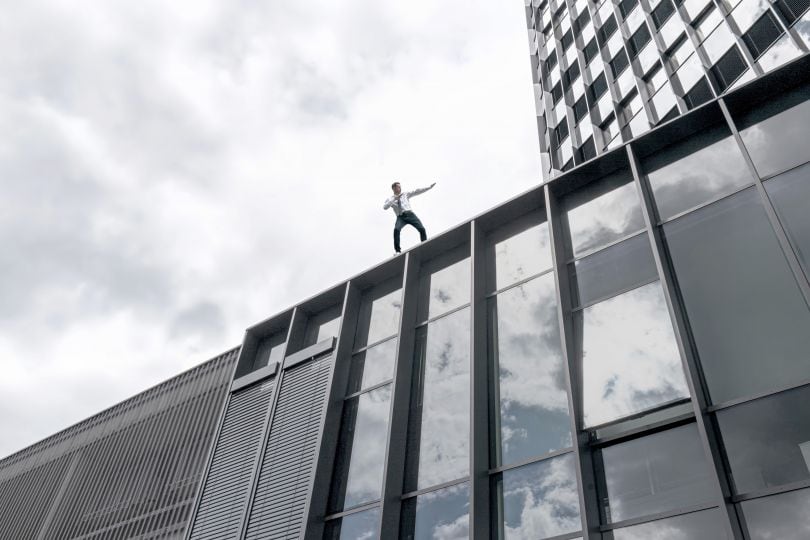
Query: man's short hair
(394,184)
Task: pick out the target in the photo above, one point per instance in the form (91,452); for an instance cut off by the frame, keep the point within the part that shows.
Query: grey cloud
(204,319)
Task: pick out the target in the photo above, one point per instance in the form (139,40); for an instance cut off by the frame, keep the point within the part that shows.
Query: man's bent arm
(419,191)
(388,202)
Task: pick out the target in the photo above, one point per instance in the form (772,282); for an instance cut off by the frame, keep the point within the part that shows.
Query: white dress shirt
(403,204)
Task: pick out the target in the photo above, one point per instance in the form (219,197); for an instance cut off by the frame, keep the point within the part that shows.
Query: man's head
(396,188)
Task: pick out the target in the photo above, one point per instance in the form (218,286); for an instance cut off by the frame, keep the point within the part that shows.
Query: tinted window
(696,526)
(603,213)
(521,256)
(695,171)
(630,360)
(768,441)
(789,193)
(782,516)
(361,453)
(443,514)
(776,134)
(323,326)
(270,350)
(440,415)
(657,473)
(372,366)
(379,314)
(617,268)
(539,500)
(446,288)
(532,415)
(359,526)
(747,315)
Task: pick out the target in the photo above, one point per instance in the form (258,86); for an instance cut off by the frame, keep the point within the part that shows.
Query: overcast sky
(173,172)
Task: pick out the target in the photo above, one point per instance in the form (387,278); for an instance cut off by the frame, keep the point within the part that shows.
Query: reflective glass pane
(359,526)
(379,316)
(361,454)
(444,289)
(630,360)
(328,329)
(522,256)
(442,402)
(748,318)
(656,473)
(539,500)
(604,213)
(533,405)
(441,515)
(696,526)
(614,269)
(695,171)
(323,325)
(372,366)
(776,133)
(768,440)
(789,193)
(785,516)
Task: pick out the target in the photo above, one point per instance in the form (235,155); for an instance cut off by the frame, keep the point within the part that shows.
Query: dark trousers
(408,218)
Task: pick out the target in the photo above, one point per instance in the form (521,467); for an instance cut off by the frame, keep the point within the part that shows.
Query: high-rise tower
(606,72)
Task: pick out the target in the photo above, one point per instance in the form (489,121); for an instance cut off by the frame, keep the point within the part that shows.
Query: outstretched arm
(419,191)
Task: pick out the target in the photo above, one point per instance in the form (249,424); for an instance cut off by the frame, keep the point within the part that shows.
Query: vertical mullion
(329,430)
(773,218)
(396,446)
(709,438)
(479,410)
(265,436)
(588,498)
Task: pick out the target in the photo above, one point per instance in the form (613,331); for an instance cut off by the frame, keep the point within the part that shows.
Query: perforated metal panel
(227,485)
(286,471)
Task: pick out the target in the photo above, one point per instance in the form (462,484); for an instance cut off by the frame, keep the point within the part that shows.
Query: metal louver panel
(286,471)
(25,499)
(225,493)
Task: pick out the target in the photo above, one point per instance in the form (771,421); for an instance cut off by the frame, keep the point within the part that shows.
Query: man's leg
(413,220)
(397,228)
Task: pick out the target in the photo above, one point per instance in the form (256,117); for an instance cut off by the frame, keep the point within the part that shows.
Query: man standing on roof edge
(401,204)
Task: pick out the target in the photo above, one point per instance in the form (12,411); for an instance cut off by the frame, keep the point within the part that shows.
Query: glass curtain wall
(358,477)
(531,452)
(437,465)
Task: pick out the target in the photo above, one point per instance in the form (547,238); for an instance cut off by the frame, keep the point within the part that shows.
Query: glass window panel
(532,418)
(657,473)
(359,526)
(776,133)
(598,219)
(671,31)
(789,193)
(441,420)
(746,312)
(539,500)
(372,366)
(695,526)
(783,516)
(629,356)
(619,267)
(664,101)
(379,314)
(638,125)
(361,453)
(747,12)
(779,53)
(441,514)
(328,329)
(718,43)
(659,415)
(768,440)
(690,71)
(522,255)
(444,289)
(694,171)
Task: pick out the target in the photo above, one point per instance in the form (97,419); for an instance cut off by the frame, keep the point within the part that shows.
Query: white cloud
(173,173)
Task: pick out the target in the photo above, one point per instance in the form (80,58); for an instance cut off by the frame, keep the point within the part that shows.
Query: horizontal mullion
(768,492)
(354,510)
(594,251)
(437,487)
(372,345)
(529,461)
(658,516)
(518,283)
(437,317)
(614,294)
(747,399)
(367,390)
(705,204)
